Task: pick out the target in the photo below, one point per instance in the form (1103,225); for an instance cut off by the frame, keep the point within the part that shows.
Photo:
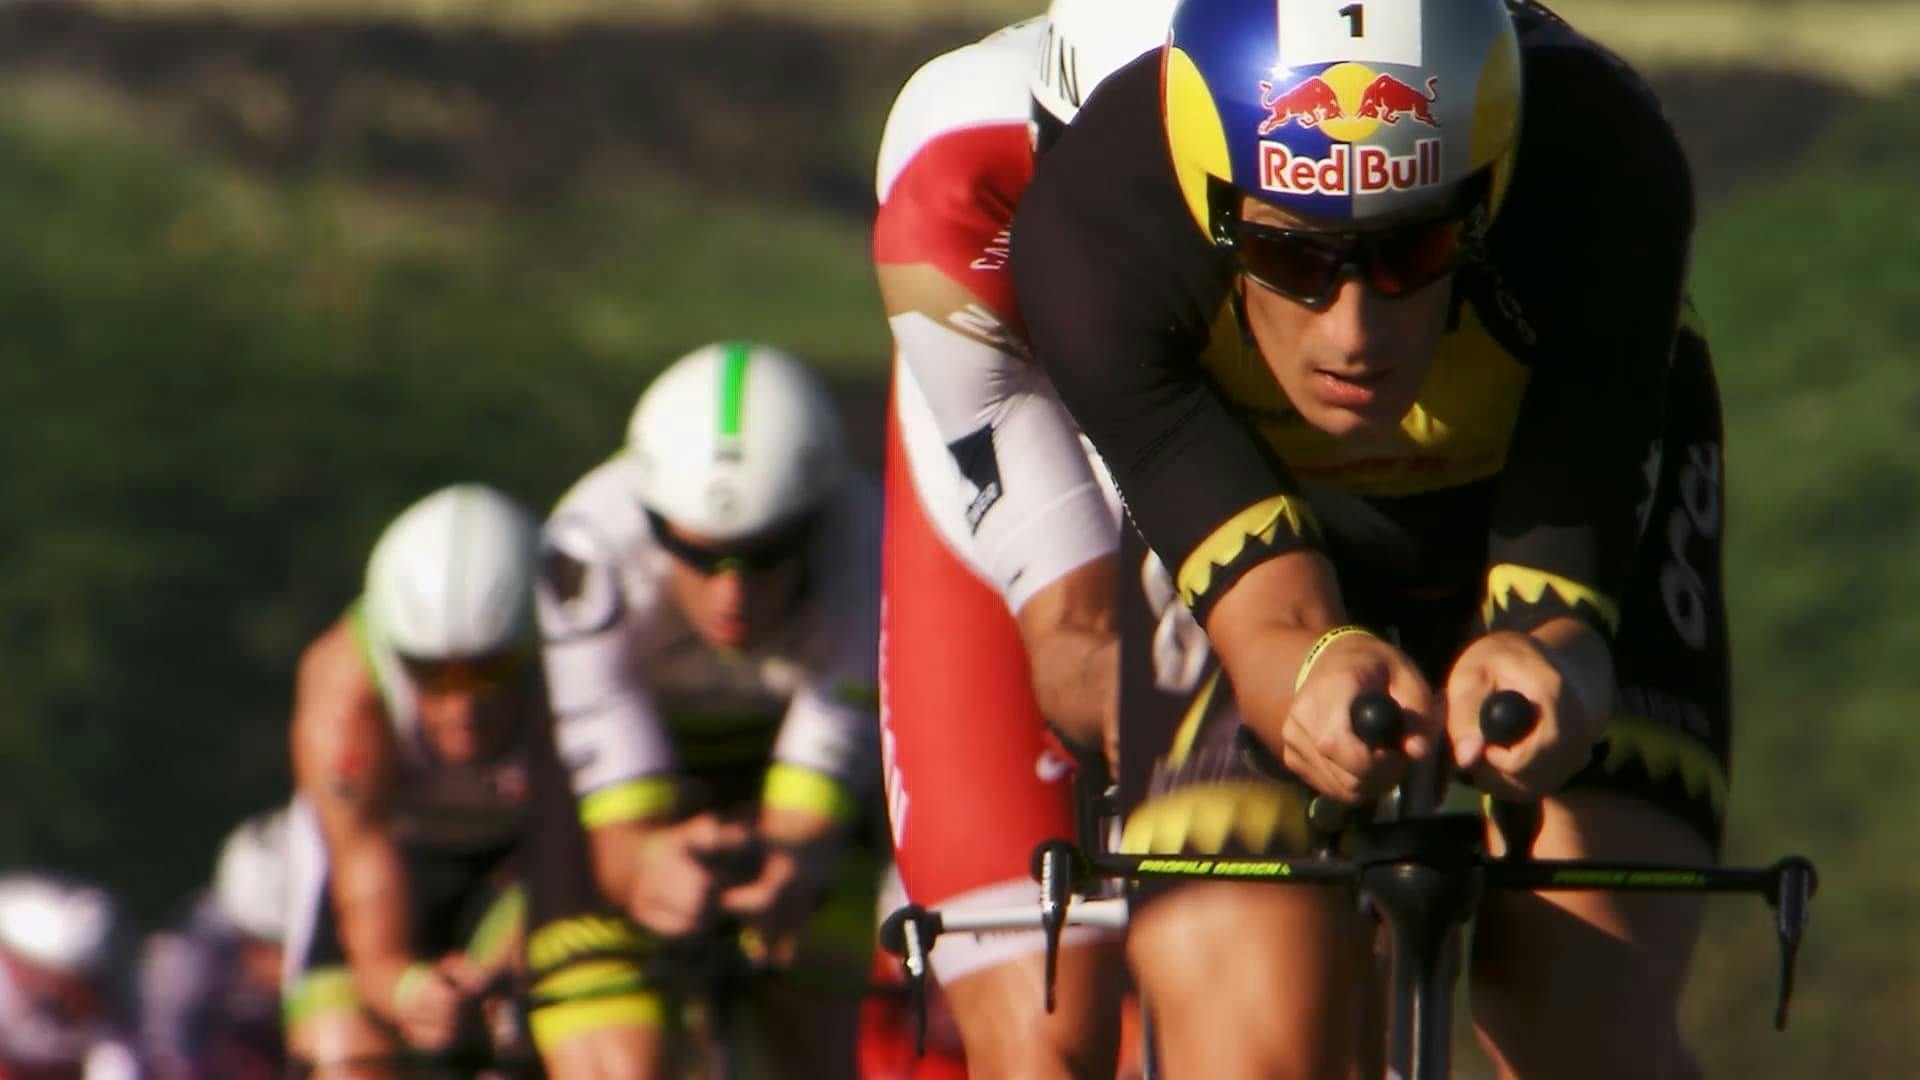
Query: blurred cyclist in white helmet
(60,1012)
(1001,570)
(210,986)
(709,601)
(427,783)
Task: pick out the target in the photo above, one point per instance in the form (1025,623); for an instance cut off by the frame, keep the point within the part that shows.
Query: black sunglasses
(479,674)
(1307,265)
(764,552)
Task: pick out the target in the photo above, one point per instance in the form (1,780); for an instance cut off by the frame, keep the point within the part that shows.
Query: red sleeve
(952,209)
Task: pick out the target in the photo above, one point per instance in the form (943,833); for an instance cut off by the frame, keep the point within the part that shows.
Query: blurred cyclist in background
(1000,573)
(210,988)
(61,1014)
(427,787)
(709,600)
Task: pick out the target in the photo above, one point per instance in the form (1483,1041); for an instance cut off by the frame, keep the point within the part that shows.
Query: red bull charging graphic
(1348,103)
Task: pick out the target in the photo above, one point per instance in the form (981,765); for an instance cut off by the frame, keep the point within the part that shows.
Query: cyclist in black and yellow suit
(1419,406)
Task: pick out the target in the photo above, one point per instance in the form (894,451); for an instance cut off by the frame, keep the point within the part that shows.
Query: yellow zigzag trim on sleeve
(1261,522)
(556,943)
(1663,751)
(1531,585)
(1200,820)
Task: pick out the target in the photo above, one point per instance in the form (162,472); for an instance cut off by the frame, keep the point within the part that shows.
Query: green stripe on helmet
(733,388)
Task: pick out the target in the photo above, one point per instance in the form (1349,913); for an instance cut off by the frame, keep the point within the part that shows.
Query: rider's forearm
(1073,651)
(1076,678)
(615,849)
(1263,627)
(370,898)
(795,827)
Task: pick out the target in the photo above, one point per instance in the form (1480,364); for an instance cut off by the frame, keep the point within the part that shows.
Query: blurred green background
(271,270)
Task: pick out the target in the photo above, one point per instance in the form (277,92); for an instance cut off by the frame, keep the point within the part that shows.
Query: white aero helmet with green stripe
(452,577)
(250,878)
(734,439)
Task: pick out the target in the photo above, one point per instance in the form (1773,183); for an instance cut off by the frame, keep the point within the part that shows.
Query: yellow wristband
(407,987)
(1320,645)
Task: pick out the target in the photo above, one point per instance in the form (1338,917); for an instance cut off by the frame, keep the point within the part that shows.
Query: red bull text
(1349,170)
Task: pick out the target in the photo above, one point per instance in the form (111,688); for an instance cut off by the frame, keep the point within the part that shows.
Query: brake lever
(1790,895)
(909,933)
(1053,865)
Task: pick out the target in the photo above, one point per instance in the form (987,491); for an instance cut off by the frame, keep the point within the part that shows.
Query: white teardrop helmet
(250,879)
(1088,40)
(452,577)
(733,440)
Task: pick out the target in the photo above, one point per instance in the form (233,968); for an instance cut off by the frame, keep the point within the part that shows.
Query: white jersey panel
(986,82)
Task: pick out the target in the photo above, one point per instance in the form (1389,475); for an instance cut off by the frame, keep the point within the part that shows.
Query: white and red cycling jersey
(991,496)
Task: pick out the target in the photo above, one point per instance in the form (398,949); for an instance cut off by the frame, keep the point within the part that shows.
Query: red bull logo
(1348,103)
(1388,99)
(1310,102)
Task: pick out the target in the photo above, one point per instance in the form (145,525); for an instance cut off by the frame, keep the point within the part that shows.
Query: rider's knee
(1588,1046)
(1007,1031)
(1215,1014)
(624,1052)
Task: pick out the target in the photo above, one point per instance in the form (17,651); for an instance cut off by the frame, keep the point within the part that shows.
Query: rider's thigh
(1587,984)
(1001,1013)
(806,1031)
(345,1045)
(1248,980)
(628,1052)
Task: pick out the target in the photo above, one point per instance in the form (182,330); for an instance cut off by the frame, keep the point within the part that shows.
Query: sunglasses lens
(767,552)
(1401,261)
(1293,265)
(478,674)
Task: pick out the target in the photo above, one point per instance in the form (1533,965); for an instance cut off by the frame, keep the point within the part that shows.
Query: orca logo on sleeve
(974,454)
(577,597)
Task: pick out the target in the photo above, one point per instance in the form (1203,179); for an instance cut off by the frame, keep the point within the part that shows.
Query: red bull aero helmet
(1345,111)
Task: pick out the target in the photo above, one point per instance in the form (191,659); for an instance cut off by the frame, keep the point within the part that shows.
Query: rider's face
(731,605)
(468,708)
(1354,364)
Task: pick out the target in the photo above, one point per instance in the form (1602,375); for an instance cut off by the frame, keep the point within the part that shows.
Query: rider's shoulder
(983,84)
(335,660)
(1594,143)
(594,543)
(599,519)
(1579,89)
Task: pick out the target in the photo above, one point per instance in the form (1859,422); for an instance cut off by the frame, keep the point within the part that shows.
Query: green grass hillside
(1808,288)
(214,394)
